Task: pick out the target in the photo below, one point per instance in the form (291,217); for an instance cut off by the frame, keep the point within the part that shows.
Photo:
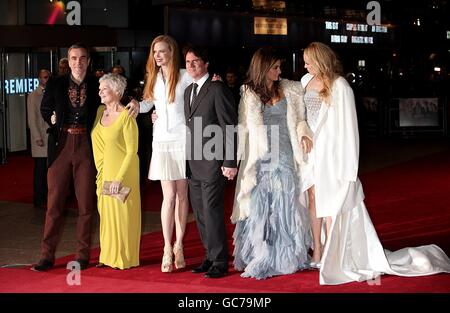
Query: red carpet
(148,278)
(151,196)
(17,185)
(409,205)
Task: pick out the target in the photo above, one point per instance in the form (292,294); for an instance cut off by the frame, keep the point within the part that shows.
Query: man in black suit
(209,104)
(69,106)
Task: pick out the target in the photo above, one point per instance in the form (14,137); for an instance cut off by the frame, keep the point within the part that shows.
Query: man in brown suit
(69,106)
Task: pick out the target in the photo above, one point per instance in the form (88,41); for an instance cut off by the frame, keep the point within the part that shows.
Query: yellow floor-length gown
(115,152)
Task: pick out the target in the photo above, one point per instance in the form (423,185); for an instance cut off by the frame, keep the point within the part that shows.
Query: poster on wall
(270,26)
(418,112)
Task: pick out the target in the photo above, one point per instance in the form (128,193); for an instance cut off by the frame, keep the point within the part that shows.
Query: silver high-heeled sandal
(166,265)
(315,265)
(179,256)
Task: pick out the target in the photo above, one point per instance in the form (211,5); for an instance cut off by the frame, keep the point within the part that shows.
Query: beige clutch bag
(121,195)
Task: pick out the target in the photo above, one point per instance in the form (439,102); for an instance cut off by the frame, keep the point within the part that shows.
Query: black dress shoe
(216,272)
(204,267)
(43,265)
(100,265)
(83,263)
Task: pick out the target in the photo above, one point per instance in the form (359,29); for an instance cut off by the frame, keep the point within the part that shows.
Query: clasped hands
(229,172)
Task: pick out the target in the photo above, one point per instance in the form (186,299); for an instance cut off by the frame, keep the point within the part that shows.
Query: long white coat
(353,251)
(336,152)
(252,139)
(38,127)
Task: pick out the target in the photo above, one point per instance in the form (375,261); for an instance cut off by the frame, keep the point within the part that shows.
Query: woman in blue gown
(272,234)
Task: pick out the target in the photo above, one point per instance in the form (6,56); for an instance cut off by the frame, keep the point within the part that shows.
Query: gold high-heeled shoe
(179,256)
(166,265)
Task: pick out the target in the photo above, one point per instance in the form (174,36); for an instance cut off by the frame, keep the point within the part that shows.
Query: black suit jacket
(215,106)
(56,98)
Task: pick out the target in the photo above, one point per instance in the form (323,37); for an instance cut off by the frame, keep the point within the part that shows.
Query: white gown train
(354,253)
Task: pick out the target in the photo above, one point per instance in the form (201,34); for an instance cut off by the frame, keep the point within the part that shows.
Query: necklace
(108,112)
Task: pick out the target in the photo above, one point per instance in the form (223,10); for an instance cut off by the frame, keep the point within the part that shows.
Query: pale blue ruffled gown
(275,238)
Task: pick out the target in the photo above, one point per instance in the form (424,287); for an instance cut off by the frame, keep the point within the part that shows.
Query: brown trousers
(75,162)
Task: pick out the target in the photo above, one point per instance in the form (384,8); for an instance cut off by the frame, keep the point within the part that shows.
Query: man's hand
(40,142)
(216,77)
(229,172)
(133,108)
(53,118)
(307,144)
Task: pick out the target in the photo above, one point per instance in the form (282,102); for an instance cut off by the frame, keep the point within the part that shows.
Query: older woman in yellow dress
(115,145)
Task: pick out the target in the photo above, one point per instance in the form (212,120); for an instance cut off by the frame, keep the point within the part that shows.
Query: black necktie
(194,93)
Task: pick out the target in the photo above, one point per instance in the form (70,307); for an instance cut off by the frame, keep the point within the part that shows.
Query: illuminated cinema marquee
(347,29)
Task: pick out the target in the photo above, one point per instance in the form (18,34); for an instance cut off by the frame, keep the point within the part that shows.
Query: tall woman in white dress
(164,89)
(352,250)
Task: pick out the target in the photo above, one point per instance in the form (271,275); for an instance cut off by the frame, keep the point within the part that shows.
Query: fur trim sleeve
(242,125)
(298,92)
(304,130)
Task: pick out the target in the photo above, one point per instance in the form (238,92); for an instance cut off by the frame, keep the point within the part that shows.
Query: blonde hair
(327,64)
(153,69)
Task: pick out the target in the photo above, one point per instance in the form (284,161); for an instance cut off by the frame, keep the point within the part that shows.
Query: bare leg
(181,210)
(328,225)
(181,213)
(167,210)
(167,222)
(316,226)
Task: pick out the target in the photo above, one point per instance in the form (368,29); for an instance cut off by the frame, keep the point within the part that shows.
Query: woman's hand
(115,187)
(307,144)
(154,117)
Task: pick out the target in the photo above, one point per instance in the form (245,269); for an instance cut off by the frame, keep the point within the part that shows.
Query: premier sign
(20,85)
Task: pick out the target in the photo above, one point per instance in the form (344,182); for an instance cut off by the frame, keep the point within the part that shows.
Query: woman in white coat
(352,250)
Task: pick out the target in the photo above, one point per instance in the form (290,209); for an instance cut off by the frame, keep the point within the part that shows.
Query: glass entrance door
(18,78)
(17,85)
(3,142)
